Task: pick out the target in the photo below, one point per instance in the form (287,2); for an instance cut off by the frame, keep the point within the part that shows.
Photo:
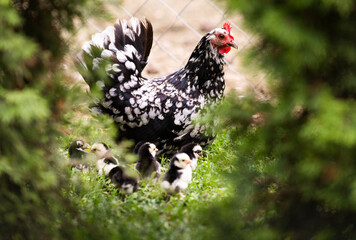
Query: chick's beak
(189,161)
(233,44)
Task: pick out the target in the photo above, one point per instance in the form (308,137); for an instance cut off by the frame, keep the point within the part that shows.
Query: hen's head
(223,39)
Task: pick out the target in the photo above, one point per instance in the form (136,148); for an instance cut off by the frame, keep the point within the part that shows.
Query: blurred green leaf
(23,106)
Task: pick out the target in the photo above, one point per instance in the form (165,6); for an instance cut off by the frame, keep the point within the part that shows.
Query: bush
(32,97)
(295,174)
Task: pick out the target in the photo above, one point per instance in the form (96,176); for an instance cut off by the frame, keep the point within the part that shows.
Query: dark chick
(126,182)
(159,110)
(77,152)
(194,151)
(77,149)
(147,163)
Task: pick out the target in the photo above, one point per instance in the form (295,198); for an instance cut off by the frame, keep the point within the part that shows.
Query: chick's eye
(221,36)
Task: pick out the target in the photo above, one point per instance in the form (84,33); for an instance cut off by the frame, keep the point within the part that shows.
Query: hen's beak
(233,44)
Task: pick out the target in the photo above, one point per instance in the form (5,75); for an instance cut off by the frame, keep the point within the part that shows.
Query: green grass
(148,213)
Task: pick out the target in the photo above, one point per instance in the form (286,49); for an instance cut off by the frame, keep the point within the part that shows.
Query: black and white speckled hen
(159,110)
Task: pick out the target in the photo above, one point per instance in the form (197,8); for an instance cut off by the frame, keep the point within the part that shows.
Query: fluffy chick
(147,163)
(178,175)
(103,153)
(77,152)
(194,151)
(109,165)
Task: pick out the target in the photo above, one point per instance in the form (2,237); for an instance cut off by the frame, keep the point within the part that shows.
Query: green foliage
(40,198)
(32,95)
(149,213)
(16,107)
(295,172)
(292,176)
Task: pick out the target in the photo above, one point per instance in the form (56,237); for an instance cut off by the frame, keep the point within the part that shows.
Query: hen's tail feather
(136,33)
(127,45)
(149,41)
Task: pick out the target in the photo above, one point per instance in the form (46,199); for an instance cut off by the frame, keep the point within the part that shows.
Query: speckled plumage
(158,110)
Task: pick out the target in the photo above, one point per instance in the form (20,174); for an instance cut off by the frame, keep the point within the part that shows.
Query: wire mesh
(178,26)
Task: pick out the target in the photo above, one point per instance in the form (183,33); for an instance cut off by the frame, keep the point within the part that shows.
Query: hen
(159,110)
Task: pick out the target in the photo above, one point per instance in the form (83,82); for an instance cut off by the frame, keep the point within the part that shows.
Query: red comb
(227,27)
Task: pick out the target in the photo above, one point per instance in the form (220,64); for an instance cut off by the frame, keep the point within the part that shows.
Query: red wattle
(224,50)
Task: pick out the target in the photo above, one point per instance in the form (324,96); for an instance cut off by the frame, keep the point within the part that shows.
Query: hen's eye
(221,36)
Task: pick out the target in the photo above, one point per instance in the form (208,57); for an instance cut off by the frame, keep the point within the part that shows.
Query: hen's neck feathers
(204,71)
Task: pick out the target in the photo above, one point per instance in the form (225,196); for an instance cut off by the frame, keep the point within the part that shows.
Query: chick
(125,182)
(178,175)
(109,165)
(103,153)
(77,152)
(147,163)
(194,151)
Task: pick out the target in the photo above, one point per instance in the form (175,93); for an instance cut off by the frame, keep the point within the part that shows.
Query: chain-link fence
(178,27)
